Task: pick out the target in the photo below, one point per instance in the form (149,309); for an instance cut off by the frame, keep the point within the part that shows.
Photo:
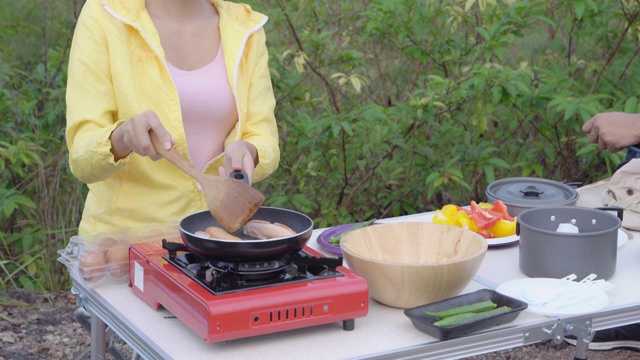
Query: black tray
(425,322)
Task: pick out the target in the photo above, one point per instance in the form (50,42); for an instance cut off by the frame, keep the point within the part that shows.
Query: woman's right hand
(133,136)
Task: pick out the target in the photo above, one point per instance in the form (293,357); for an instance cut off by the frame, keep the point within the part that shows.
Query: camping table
(385,333)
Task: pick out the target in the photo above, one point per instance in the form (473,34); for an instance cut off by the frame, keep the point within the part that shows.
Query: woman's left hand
(240,156)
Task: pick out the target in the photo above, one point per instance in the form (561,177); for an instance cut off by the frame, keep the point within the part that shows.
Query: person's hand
(241,156)
(613,131)
(133,136)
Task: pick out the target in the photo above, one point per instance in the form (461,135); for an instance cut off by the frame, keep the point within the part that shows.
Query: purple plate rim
(323,238)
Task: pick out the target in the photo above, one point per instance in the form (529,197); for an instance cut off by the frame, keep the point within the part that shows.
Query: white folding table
(385,333)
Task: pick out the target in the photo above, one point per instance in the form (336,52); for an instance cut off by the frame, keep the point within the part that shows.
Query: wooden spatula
(231,202)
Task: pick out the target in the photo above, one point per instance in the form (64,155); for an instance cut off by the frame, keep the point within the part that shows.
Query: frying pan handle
(619,211)
(240,175)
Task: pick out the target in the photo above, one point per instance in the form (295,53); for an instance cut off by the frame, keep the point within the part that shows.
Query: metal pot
(522,193)
(545,252)
(251,249)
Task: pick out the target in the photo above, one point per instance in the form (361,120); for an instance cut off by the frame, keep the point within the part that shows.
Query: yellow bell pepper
(503,228)
(440,218)
(463,220)
(449,210)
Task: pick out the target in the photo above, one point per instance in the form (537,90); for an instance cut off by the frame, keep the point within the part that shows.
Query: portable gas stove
(223,301)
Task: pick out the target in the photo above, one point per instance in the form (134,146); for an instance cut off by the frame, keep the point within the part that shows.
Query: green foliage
(385,108)
(392,107)
(39,199)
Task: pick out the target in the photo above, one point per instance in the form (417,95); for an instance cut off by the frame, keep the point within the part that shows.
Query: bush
(393,107)
(40,201)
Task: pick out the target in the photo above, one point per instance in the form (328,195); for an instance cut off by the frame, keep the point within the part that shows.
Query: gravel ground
(42,326)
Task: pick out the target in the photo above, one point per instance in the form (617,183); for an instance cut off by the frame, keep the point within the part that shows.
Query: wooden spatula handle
(175,158)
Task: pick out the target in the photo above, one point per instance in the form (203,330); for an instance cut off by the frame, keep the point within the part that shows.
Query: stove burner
(222,277)
(257,266)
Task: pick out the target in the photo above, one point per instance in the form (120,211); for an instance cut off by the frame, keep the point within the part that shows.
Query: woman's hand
(613,131)
(133,136)
(241,156)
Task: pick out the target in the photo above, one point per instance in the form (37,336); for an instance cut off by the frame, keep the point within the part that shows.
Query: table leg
(583,333)
(582,348)
(98,338)
(84,318)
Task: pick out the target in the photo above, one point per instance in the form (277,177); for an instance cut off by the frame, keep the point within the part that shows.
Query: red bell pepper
(484,218)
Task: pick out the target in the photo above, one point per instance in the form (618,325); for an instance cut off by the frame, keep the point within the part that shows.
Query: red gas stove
(224,301)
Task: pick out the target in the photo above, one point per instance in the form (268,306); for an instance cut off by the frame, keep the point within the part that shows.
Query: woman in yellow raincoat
(194,72)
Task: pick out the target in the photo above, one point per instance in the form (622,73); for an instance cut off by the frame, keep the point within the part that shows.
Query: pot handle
(239,175)
(575,184)
(531,190)
(619,211)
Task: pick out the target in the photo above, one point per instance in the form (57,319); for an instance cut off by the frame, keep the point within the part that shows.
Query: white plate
(503,241)
(527,290)
(622,237)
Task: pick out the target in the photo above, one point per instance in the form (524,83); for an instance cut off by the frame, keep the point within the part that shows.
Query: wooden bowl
(412,264)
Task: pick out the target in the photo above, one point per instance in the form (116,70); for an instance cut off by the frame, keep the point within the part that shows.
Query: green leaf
(490,174)
(461,182)
(579,7)
(570,111)
(631,105)
(499,163)
(483,32)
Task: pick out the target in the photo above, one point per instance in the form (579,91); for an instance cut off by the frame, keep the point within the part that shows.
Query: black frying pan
(251,249)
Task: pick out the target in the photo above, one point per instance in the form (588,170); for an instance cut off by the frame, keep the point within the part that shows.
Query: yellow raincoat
(117,68)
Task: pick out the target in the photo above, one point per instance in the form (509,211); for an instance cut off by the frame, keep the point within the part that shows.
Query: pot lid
(529,192)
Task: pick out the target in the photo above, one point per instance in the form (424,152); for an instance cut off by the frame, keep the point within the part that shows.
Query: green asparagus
(335,240)
(467,318)
(472,308)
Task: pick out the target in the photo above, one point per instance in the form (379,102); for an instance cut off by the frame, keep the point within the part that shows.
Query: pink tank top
(208,108)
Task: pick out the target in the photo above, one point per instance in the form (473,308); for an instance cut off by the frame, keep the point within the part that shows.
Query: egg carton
(103,258)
